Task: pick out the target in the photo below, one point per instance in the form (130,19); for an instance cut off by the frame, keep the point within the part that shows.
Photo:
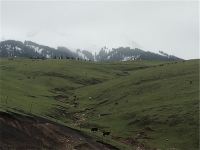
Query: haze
(150,25)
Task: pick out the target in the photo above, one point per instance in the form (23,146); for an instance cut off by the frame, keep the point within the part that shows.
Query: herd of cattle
(105,133)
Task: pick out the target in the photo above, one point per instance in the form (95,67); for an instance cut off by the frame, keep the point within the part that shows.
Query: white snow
(8,46)
(162,54)
(81,55)
(18,48)
(37,49)
(128,58)
(48,56)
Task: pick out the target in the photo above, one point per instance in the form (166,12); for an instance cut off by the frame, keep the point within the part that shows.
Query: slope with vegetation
(143,104)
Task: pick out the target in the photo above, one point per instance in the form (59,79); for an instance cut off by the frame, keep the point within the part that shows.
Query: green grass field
(152,103)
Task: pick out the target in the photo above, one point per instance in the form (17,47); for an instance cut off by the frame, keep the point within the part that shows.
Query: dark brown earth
(20,132)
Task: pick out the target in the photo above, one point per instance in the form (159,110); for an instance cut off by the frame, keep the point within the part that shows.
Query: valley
(141,104)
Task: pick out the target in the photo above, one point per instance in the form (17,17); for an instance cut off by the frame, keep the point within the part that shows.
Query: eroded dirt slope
(30,132)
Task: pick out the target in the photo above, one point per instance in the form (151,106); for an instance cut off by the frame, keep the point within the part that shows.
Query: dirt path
(19,132)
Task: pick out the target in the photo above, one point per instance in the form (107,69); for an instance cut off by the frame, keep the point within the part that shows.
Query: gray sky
(150,25)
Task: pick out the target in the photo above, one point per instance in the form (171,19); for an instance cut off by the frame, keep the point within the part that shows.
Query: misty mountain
(29,49)
(11,48)
(126,54)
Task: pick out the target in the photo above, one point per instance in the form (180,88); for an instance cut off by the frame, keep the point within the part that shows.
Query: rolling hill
(143,104)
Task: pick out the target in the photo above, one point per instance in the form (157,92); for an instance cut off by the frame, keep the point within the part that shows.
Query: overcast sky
(150,25)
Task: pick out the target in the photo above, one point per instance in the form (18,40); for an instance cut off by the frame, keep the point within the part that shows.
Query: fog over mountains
(29,49)
(171,26)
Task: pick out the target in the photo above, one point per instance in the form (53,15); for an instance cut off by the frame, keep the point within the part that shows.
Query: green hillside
(149,104)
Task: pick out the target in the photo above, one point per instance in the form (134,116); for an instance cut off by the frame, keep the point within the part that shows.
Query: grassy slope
(133,95)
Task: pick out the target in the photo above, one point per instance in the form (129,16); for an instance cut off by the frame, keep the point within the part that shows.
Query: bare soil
(23,132)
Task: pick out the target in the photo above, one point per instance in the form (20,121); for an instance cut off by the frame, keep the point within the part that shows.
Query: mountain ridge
(12,48)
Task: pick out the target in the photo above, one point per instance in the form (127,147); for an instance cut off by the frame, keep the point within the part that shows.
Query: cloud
(151,25)
(32,34)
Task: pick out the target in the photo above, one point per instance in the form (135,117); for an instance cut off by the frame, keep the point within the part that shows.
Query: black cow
(94,129)
(106,133)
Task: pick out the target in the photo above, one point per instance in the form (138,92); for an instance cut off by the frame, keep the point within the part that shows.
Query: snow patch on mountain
(37,49)
(18,48)
(8,47)
(81,55)
(129,58)
(108,57)
(48,56)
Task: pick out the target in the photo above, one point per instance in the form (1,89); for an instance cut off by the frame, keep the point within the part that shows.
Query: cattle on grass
(105,133)
(94,129)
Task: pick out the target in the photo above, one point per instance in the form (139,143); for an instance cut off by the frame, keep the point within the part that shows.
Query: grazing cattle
(90,98)
(106,133)
(94,129)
